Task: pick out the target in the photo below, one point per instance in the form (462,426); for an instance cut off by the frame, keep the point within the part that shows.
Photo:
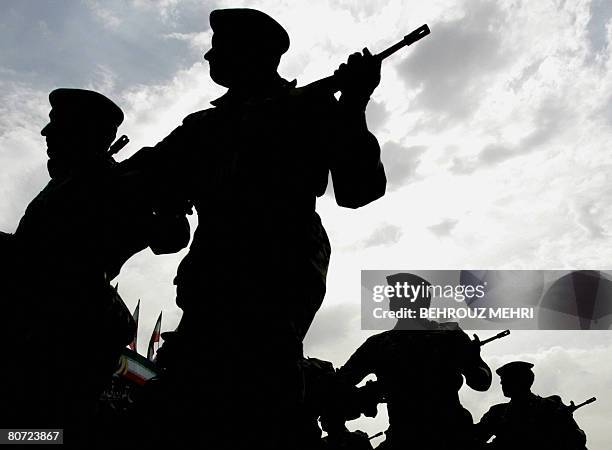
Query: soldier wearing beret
(420,366)
(68,324)
(254,165)
(528,421)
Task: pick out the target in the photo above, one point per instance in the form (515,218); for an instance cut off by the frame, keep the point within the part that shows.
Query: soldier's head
(516,378)
(81,123)
(247,45)
(411,292)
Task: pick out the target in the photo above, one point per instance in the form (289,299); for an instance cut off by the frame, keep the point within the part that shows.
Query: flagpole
(155,337)
(134,344)
(159,340)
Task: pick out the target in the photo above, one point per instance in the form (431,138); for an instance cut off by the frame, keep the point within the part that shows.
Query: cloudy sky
(495,131)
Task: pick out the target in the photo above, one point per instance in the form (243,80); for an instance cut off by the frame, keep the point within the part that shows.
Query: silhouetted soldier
(68,325)
(420,365)
(255,274)
(329,399)
(528,421)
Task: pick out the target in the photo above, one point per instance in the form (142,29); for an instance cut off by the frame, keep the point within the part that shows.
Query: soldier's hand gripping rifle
(333,84)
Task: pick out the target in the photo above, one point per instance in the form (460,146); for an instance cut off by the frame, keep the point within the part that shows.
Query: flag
(154,338)
(135,316)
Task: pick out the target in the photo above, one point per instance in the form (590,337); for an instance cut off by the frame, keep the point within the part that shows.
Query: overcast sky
(495,131)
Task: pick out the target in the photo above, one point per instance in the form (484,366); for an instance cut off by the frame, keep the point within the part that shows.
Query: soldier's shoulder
(497,410)
(378,340)
(319,366)
(106,172)
(312,97)
(449,326)
(452,330)
(197,116)
(551,402)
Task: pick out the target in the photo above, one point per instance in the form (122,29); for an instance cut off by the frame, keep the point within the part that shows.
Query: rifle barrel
(409,39)
(331,83)
(584,403)
(497,336)
(118,145)
(380,433)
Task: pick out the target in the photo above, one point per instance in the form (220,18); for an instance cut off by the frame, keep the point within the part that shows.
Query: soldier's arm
(570,435)
(360,364)
(162,182)
(129,224)
(167,170)
(477,373)
(357,172)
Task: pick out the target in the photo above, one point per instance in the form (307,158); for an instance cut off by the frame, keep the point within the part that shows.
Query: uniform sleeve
(569,434)
(477,373)
(160,181)
(357,172)
(150,201)
(361,363)
(170,168)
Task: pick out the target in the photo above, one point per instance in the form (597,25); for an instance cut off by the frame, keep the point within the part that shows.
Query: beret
(403,277)
(87,103)
(514,367)
(252,25)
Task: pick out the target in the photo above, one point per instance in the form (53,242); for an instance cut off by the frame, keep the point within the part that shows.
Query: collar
(237,96)
(59,168)
(528,399)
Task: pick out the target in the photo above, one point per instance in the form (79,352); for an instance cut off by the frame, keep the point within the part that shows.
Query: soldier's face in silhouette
(224,61)
(60,135)
(70,138)
(235,64)
(516,385)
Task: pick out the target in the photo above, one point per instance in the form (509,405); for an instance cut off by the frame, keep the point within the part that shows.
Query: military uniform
(420,373)
(69,323)
(534,423)
(528,421)
(255,274)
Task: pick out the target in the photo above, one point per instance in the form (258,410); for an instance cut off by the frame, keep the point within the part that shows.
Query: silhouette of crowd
(233,374)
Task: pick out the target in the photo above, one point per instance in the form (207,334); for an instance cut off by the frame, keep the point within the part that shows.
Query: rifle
(380,433)
(331,83)
(371,394)
(118,145)
(573,407)
(493,338)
